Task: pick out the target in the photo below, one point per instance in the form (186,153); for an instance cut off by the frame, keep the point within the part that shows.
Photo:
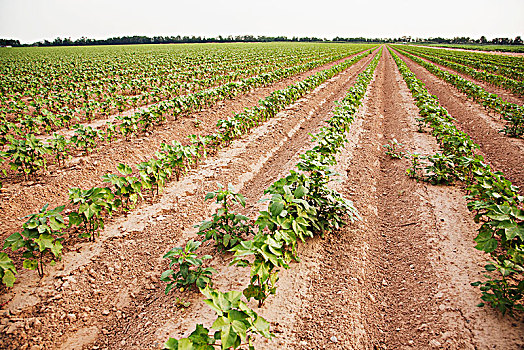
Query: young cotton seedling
(40,237)
(190,271)
(226,227)
(393,149)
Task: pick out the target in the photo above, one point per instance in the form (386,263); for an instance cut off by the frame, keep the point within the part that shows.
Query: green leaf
(504,224)
(485,242)
(220,323)
(225,240)
(235,315)
(261,269)
(15,241)
(276,208)
(262,325)
(490,267)
(515,231)
(300,192)
(124,169)
(228,337)
(9,278)
(30,264)
(171,344)
(497,216)
(185,344)
(223,302)
(57,249)
(75,219)
(91,210)
(55,225)
(44,242)
(518,213)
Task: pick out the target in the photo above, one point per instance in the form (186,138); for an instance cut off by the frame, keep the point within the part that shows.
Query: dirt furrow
(23,198)
(503,153)
(399,279)
(110,293)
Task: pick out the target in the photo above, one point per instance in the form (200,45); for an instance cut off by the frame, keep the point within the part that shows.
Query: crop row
(302,206)
(496,65)
(42,234)
(46,113)
(56,69)
(27,155)
(516,62)
(494,199)
(514,86)
(512,113)
(66,104)
(57,98)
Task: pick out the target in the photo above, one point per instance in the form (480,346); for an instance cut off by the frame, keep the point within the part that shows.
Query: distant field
(500,48)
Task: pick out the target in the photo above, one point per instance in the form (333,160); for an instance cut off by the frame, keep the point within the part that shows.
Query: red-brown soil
(397,279)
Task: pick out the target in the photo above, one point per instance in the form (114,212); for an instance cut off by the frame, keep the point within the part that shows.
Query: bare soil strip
(503,153)
(18,199)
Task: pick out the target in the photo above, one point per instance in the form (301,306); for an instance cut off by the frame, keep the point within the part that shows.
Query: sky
(34,20)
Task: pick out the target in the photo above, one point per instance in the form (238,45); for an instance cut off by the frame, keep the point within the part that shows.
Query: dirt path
(18,199)
(501,92)
(503,153)
(109,292)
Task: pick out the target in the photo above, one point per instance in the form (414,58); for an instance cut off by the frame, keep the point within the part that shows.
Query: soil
(399,278)
(504,153)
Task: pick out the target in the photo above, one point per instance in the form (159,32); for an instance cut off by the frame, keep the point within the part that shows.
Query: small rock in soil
(334,339)
(372,298)
(435,343)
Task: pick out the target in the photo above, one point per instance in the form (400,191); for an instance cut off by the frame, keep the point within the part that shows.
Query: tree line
(468,40)
(137,39)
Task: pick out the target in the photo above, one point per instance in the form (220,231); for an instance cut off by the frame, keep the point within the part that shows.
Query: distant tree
(518,41)
(9,42)
(501,41)
(483,40)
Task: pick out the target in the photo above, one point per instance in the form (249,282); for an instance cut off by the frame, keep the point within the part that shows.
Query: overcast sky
(35,20)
